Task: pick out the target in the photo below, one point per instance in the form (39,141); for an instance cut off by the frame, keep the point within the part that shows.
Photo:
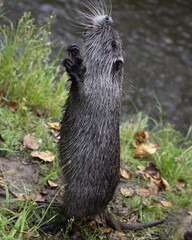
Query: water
(157,38)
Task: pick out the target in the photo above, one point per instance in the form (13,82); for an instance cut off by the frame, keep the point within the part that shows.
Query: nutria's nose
(118,64)
(108,19)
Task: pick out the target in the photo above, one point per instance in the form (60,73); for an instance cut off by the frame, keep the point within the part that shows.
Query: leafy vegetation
(31,80)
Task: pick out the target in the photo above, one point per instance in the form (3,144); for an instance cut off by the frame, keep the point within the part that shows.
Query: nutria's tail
(121,226)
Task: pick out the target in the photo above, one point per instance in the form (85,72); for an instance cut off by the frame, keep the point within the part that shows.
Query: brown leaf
(127,192)
(40,112)
(52,184)
(144,150)
(141,168)
(140,173)
(30,142)
(13,106)
(181,183)
(123,209)
(55,125)
(165,184)
(47,156)
(166,203)
(152,169)
(140,137)
(106,230)
(22,148)
(124,173)
(153,188)
(144,192)
(36,196)
(145,202)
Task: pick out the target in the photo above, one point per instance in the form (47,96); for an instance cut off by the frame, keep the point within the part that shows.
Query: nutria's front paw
(72,69)
(74,54)
(74,65)
(68,64)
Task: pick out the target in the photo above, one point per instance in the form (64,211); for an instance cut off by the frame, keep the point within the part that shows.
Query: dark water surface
(157,38)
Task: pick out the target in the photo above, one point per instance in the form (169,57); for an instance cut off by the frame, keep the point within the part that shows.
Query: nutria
(89,145)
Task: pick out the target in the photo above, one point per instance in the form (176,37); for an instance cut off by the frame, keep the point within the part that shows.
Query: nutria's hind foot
(53,227)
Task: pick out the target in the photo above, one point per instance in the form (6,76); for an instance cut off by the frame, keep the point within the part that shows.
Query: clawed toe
(67,63)
(73,50)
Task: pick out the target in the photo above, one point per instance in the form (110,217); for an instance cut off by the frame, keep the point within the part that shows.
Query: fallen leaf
(144,150)
(44,191)
(133,218)
(165,184)
(141,168)
(166,203)
(30,142)
(55,125)
(140,137)
(21,148)
(152,169)
(145,202)
(124,173)
(36,196)
(189,212)
(106,230)
(181,183)
(144,192)
(40,112)
(127,192)
(152,172)
(47,156)
(153,188)
(52,184)
(123,209)
(13,106)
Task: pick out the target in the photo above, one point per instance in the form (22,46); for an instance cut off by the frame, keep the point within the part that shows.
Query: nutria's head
(103,46)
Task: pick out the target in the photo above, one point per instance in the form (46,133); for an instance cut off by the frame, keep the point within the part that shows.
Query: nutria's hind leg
(74,66)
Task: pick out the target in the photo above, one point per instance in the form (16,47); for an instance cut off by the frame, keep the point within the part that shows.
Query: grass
(29,78)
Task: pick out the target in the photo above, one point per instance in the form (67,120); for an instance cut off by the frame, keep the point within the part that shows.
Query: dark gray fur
(89,145)
(90,125)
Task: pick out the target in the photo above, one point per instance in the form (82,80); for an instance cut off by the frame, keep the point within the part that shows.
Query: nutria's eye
(114,44)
